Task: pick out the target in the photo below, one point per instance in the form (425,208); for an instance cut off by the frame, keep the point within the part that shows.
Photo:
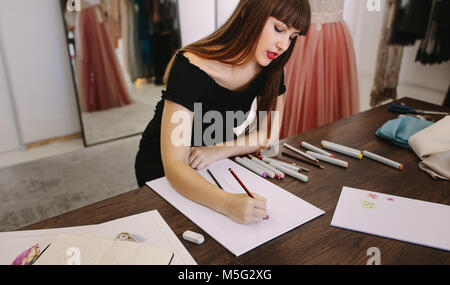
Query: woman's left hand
(199,157)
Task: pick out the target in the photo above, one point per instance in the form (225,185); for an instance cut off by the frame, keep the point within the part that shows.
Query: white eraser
(193,237)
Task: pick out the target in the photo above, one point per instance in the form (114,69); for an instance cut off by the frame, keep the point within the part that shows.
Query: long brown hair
(235,41)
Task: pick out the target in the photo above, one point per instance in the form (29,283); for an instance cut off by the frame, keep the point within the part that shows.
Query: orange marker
(384,160)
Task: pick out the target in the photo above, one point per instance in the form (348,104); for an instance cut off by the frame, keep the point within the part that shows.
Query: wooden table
(315,242)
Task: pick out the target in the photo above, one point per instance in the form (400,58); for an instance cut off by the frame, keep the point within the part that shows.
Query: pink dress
(321,76)
(99,79)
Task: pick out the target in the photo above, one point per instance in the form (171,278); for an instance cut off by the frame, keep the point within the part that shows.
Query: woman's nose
(283,44)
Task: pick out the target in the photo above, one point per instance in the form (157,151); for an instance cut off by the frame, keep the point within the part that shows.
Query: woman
(224,72)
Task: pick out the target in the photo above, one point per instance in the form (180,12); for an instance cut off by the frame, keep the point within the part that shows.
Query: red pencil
(240,182)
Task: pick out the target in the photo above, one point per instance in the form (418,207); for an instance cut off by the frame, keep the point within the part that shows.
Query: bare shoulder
(211,67)
(195,59)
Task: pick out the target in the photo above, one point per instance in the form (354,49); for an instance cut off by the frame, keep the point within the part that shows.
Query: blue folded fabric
(399,131)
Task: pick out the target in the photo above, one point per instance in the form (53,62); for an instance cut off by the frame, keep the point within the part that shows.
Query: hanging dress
(321,76)
(99,77)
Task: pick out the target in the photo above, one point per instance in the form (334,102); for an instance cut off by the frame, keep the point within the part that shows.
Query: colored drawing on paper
(390,199)
(129,237)
(28,256)
(373,196)
(367,204)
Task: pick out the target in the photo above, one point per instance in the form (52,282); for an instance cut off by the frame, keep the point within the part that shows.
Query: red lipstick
(271,55)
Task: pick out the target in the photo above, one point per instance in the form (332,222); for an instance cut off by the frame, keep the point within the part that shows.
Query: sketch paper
(394,217)
(286,211)
(95,251)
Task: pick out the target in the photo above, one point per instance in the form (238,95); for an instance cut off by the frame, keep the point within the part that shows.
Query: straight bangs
(295,14)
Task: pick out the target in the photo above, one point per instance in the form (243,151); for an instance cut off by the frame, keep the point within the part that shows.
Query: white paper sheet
(286,211)
(149,228)
(389,216)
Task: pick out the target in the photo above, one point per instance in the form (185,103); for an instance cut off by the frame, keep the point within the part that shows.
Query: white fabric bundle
(432,146)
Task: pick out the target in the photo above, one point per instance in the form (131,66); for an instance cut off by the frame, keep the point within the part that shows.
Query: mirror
(119,50)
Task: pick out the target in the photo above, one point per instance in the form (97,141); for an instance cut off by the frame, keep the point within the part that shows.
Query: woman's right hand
(246,210)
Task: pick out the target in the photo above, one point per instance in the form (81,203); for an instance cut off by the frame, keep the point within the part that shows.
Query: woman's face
(274,41)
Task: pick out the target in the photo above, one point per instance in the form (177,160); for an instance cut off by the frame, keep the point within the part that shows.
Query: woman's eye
(276,29)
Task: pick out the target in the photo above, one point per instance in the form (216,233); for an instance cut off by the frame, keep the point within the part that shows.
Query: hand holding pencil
(246,208)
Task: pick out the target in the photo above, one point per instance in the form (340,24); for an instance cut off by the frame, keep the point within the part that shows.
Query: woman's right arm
(175,158)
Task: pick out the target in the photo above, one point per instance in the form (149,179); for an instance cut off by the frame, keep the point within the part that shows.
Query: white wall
(197,19)
(9,139)
(37,59)
(224,10)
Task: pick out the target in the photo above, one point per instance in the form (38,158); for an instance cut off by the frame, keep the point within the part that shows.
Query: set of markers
(273,168)
(320,154)
(276,168)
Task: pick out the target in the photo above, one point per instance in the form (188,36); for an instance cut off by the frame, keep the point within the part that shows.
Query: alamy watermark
(375,256)
(74,255)
(220,129)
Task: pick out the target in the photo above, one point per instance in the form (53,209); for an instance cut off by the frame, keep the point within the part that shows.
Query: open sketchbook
(286,210)
(149,228)
(389,216)
(83,250)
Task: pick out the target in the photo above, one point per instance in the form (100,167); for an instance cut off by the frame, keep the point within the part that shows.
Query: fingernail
(266,218)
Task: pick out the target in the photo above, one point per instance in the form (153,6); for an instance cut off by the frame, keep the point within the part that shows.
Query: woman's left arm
(199,157)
